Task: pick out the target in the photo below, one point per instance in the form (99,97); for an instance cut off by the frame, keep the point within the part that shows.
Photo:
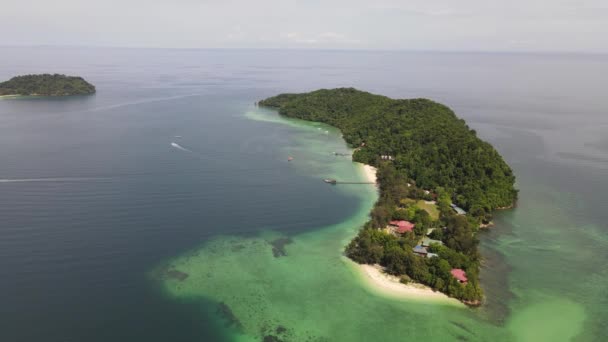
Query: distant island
(438,182)
(46,85)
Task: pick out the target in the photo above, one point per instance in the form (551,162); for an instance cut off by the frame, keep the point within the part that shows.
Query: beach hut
(460,275)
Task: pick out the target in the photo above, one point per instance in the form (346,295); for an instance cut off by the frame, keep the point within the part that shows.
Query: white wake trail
(58,179)
(179,147)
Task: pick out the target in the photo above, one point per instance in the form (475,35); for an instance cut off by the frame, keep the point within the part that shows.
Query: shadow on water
(495,270)
(278,246)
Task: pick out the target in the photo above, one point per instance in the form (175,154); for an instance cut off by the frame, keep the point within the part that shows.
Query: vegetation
(423,152)
(428,206)
(46,85)
(428,142)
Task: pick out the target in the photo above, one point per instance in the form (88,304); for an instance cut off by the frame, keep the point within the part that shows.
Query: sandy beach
(369,172)
(389,285)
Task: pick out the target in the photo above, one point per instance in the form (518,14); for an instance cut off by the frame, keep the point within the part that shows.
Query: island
(46,85)
(438,184)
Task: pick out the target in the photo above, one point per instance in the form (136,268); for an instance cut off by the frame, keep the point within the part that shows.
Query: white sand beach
(385,284)
(4,97)
(370,172)
(388,285)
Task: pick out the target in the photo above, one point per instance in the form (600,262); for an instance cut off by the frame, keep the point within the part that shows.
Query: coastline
(377,281)
(6,97)
(370,173)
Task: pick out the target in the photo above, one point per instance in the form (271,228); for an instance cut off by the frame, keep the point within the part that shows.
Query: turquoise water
(99,207)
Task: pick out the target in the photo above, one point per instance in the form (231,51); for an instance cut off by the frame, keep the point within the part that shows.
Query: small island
(438,184)
(46,85)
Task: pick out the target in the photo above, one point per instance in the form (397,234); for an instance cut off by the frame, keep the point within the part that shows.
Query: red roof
(402,226)
(459,274)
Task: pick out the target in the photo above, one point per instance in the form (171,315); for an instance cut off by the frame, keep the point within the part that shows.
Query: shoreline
(369,173)
(4,97)
(373,279)
(377,281)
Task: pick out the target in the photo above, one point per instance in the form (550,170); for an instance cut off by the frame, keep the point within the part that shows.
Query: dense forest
(423,152)
(46,85)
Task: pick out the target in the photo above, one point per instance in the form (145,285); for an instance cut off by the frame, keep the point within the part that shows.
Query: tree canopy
(426,141)
(46,85)
(423,152)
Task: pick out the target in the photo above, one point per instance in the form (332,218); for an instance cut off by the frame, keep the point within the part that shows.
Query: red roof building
(403,226)
(459,274)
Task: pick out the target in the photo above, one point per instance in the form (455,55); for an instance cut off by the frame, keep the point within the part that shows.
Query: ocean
(171,169)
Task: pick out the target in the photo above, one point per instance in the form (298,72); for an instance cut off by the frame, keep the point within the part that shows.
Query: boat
(290,159)
(330,181)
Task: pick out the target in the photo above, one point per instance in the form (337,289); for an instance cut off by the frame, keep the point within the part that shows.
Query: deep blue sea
(96,191)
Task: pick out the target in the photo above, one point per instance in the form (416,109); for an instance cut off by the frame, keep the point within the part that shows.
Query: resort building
(460,275)
(402,226)
(420,250)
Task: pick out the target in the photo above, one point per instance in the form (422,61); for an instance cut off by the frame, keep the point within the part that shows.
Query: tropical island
(438,184)
(46,85)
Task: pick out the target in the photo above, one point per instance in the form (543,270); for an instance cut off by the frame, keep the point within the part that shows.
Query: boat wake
(58,179)
(180,147)
(140,102)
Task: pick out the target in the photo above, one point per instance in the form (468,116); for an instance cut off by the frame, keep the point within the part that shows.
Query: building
(431,255)
(458,210)
(402,226)
(420,250)
(460,275)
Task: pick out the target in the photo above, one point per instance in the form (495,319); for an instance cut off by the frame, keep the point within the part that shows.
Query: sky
(446,25)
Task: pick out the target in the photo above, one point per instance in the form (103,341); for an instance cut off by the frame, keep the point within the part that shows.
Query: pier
(334,182)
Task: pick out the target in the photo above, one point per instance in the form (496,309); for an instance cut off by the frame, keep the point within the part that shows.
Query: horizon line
(304,49)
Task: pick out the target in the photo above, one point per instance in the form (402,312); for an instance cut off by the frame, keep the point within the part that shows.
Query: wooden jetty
(334,182)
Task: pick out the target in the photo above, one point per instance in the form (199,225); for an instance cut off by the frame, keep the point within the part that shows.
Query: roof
(428,241)
(457,209)
(430,255)
(459,274)
(420,250)
(403,226)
